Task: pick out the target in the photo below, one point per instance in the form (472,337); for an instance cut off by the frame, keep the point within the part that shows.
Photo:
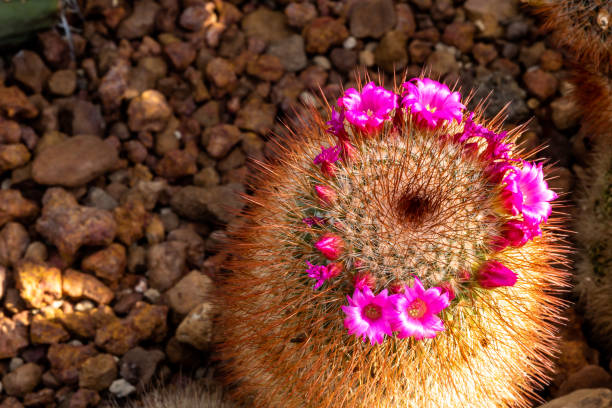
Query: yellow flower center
(372,312)
(416,309)
(431,109)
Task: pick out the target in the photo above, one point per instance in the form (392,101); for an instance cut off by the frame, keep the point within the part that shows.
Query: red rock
(266,67)
(177,163)
(267,25)
(540,83)
(84,398)
(372,18)
(114,84)
(405,19)
(22,380)
(107,264)
(10,131)
(484,53)
(63,82)
(74,162)
(39,285)
(77,285)
(44,331)
(13,103)
(148,112)
(97,373)
(220,139)
(194,17)
(55,48)
(69,226)
(221,72)
(131,218)
(140,22)
(551,60)
(13,156)
(181,54)
(30,70)
(67,359)
(460,35)
(322,33)
(300,14)
(256,115)
(14,337)
(44,397)
(14,240)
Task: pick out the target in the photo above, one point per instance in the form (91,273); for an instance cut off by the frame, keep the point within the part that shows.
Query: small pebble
(15,363)
(121,388)
(350,43)
(322,61)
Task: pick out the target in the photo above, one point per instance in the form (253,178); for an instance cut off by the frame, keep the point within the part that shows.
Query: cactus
(20,19)
(411,263)
(594,235)
(191,394)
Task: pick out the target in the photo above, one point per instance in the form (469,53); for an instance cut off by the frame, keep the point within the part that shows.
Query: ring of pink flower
(413,311)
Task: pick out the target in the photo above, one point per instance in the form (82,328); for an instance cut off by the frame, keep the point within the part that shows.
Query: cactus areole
(401,254)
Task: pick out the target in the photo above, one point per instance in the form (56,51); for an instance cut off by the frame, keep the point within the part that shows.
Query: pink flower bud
(326,194)
(448,288)
(348,151)
(516,233)
(364,280)
(334,269)
(330,246)
(494,274)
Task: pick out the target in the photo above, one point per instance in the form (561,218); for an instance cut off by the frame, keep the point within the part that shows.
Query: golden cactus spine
(409,203)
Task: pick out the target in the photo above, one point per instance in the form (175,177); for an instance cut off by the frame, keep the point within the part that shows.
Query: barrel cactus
(403,253)
(594,235)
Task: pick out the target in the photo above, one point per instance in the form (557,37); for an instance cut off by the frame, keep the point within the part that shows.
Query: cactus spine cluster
(411,195)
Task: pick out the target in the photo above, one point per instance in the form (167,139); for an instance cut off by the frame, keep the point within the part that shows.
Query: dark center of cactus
(417,309)
(415,207)
(372,312)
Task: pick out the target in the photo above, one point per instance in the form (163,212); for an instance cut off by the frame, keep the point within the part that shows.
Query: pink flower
(370,108)
(347,150)
(416,309)
(496,148)
(432,102)
(516,233)
(493,274)
(327,158)
(368,315)
(496,171)
(526,192)
(330,245)
(327,195)
(336,123)
(322,272)
(364,280)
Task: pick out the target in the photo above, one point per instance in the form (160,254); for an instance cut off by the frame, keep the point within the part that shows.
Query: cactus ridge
(408,205)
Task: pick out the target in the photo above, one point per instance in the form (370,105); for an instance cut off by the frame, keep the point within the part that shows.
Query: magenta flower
(496,148)
(327,195)
(526,192)
(496,171)
(364,280)
(370,108)
(327,158)
(330,245)
(493,274)
(432,102)
(336,123)
(516,233)
(416,309)
(368,315)
(347,150)
(322,272)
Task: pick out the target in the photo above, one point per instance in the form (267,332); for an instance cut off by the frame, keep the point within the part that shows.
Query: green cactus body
(409,203)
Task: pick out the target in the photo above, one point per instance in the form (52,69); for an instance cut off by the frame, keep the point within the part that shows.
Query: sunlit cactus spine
(593,227)
(401,254)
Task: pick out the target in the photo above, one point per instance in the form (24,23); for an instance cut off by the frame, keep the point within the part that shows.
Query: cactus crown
(415,227)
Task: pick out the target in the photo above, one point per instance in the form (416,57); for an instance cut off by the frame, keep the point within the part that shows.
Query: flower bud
(494,274)
(330,246)
(327,195)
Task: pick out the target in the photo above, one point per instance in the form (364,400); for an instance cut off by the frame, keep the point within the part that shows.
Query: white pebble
(152,294)
(121,388)
(350,43)
(366,58)
(75,342)
(15,363)
(322,61)
(141,286)
(84,306)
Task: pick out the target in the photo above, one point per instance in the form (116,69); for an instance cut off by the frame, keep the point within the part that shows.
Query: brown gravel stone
(44,331)
(220,139)
(84,398)
(591,376)
(97,373)
(540,83)
(14,240)
(11,402)
(391,52)
(30,70)
(323,32)
(442,62)
(74,162)
(138,365)
(76,285)
(419,51)
(197,329)
(181,54)
(300,14)
(372,18)
(177,163)
(131,218)
(266,67)
(38,284)
(266,25)
(114,84)
(44,398)
(405,19)
(22,380)
(551,60)
(140,22)
(189,292)
(13,156)
(10,131)
(217,204)
(166,263)
(69,226)
(484,53)
(460,35)
(107,264)
(196,246)
(67,359)
(148,112)
(256,115)
(79,323)
(221,72)
(564,112)
(63,82)
(14,337)
(193,17)
(13,102)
